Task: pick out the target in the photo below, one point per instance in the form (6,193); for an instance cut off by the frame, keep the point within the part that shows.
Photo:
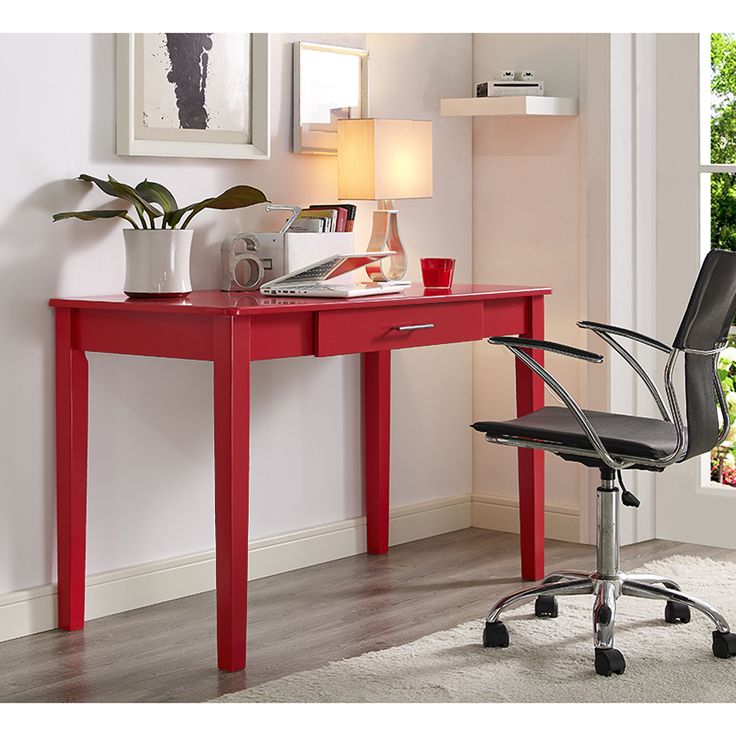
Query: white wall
(151,485)
(528,222)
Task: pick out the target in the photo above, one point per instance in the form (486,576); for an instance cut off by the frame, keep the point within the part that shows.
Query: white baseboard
(501,513)
(30,611)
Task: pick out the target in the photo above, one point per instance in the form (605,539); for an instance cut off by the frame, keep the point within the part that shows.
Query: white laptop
(314,280)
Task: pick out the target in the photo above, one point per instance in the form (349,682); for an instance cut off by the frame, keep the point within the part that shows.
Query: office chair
(612,442)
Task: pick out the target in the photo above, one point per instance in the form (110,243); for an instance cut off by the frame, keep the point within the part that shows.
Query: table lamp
(384,160)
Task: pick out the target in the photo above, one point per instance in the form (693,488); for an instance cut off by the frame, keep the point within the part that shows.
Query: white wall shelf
(528,105)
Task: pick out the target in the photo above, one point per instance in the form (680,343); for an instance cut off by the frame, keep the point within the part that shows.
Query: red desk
(231,330)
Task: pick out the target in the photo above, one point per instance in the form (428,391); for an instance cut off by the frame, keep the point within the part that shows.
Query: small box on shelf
(510,88)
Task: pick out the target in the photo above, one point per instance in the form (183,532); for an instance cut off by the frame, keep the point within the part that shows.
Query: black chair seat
(621,434)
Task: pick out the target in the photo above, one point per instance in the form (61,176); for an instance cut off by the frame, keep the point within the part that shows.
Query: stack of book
(325,218)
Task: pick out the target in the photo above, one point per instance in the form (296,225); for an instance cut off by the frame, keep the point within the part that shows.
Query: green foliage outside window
(723,139)
(723,219)
(723,458)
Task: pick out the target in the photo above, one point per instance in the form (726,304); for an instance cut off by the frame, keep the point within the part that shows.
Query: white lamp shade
(384,159)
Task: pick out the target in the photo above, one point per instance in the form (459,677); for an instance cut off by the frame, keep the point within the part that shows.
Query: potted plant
(158,245)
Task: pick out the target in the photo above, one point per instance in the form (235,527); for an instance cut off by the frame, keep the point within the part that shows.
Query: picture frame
(195,119)
(330,82)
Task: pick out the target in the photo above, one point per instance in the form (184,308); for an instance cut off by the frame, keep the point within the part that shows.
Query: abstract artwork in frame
(202,95)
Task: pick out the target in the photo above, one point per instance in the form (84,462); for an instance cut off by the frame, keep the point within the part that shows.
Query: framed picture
(203,95)
(330,83)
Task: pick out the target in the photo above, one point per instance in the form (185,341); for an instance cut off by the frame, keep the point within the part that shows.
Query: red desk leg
(71,473)
(530,397)
(232,460)
(377,421)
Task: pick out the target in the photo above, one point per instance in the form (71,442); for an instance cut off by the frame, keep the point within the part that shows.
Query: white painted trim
(704,97)
(30,611)
(501,513)
(595,127)
(619,167)
(638,525)
(717,168)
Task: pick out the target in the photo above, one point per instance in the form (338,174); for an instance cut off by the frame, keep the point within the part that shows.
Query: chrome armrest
(624,332)
(546,345)
(517,346)
(605,331)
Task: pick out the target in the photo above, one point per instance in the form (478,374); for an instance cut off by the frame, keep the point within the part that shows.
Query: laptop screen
(328,268)
(351,263)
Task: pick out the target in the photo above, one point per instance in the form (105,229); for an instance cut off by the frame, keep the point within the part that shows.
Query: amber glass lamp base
(385,236)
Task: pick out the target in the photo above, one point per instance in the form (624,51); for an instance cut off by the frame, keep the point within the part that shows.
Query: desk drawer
(392,328)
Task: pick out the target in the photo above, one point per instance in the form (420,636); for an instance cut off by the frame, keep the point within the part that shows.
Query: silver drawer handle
(404,328)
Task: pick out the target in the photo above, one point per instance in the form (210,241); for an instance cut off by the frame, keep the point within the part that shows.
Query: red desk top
(248,303)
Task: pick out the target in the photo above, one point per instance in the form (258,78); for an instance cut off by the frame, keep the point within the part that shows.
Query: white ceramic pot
(157,263)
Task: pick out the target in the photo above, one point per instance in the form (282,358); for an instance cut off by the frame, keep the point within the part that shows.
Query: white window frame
(706,168)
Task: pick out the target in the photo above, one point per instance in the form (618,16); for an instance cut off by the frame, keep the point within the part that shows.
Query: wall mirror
(330,84)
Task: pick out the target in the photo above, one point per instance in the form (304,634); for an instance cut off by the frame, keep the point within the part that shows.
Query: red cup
(437,272)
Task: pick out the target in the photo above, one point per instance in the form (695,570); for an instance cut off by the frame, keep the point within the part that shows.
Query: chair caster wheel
(545,606)
(676,613)
(609,661)
(495,635)
(724,645)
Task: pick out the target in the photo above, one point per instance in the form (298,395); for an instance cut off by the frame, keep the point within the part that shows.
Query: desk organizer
(251,259)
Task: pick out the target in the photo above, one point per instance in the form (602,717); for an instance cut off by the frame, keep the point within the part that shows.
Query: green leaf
(234,198)
(123,191)
(87,215)
(157,194)
(231,199)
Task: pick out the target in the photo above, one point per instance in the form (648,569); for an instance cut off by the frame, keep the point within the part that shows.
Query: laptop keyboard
(315,287)
(315,273)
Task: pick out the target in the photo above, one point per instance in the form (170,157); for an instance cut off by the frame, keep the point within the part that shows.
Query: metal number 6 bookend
(252,249)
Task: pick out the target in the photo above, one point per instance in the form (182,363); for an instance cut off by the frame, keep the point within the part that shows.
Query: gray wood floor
(297,621)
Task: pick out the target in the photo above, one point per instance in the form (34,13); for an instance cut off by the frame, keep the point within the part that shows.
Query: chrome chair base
(606,591)
(607,585)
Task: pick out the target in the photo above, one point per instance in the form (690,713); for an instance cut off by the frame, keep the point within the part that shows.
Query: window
(718,171)
(720,163)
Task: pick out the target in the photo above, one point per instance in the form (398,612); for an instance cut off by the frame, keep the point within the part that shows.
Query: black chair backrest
(706,323)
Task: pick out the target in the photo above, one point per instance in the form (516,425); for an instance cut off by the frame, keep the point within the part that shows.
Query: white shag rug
(548,660)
